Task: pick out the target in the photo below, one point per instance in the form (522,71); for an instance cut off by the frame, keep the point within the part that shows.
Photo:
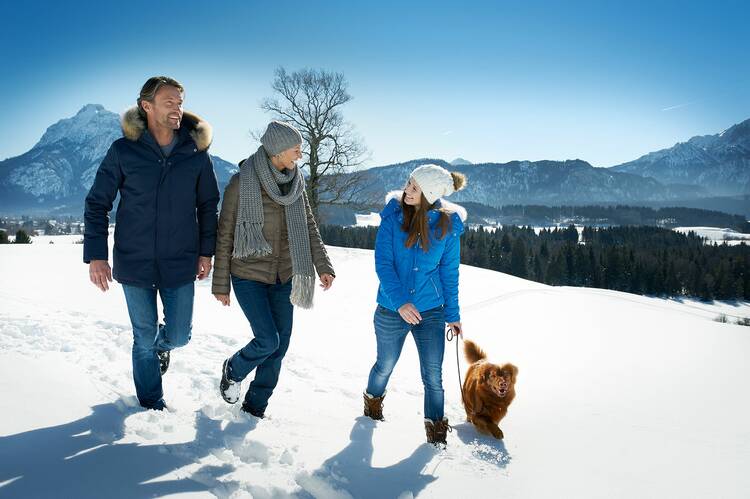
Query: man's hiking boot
(255,412)
(163,361)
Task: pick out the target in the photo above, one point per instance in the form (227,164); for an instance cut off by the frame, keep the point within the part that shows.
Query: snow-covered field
(65,239)
(618,396)
(371,219)
(717,235)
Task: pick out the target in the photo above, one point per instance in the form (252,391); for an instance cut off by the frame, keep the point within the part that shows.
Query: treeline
(22,237)
(606,216)
(642,260)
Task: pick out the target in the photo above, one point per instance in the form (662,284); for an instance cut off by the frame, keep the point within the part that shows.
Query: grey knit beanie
(279,137)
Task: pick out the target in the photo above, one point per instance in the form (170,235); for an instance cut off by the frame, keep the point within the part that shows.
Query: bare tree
(311,100)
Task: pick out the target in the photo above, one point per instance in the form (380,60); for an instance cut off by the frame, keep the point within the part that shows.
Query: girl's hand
(457,328)
(410,313)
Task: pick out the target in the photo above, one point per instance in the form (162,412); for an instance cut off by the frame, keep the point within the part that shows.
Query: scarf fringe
(303,290)
(249,241)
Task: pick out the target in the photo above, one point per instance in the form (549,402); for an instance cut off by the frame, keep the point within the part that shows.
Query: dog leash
(449,335)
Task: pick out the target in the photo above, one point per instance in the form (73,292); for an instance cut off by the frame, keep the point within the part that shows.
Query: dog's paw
(497,433)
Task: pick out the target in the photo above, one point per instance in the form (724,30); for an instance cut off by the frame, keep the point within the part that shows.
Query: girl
(417,253)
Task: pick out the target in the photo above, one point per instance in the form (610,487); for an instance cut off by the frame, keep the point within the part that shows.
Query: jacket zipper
(435,286)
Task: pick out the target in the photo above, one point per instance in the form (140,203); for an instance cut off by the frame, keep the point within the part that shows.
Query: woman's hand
(457,328)
(224,299)
(410,313)
(326,281)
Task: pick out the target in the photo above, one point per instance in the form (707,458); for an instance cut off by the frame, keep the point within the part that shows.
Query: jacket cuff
(325,270)
(400,301)
(207,248)
(95,249)
(453,318)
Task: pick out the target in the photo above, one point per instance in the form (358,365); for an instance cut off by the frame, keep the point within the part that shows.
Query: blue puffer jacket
(167,213)
(411,275)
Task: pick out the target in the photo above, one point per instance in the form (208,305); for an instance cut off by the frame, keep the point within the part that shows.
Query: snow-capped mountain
(720,163)
(538,182)
(55,175)
(58,171)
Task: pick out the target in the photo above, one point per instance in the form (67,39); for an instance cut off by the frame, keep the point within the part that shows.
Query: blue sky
(487,81)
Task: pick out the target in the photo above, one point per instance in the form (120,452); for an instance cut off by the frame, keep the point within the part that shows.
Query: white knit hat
(435,181)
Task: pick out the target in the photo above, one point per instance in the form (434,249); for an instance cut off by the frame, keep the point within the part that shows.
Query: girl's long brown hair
(415,223)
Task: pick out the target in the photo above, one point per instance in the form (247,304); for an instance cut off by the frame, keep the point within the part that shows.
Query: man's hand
(100,274)
(204,267)
(224,299)
(410,313)
(326,281)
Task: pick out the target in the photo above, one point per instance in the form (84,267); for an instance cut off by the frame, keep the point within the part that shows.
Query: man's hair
(152,85)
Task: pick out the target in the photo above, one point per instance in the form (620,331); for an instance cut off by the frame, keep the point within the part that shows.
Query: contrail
(677,106)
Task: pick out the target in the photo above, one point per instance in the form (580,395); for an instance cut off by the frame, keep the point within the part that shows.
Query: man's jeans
(429,335)
(149,337)
(270,313)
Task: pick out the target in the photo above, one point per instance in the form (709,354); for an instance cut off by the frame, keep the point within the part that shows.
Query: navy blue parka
(167,213)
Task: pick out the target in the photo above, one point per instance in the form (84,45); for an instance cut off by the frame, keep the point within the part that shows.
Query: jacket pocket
(437,290)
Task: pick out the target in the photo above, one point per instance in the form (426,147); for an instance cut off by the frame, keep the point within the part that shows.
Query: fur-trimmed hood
(133,126)
(442,202)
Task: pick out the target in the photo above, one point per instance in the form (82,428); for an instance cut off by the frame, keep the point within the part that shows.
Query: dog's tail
(472,352)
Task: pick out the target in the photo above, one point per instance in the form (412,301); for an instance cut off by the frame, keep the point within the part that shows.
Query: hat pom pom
(459,181)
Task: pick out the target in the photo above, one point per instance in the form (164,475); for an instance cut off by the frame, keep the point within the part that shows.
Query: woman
(417,253)
(266,246)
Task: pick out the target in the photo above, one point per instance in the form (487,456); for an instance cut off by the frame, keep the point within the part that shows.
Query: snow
(62,239)
(717,235)
(618,395)
(371,219)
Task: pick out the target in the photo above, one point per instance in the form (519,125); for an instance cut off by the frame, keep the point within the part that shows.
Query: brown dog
(488,390)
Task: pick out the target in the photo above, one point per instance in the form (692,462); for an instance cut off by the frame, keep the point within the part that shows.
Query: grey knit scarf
(257,172)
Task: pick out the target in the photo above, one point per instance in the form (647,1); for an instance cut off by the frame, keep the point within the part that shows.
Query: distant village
(42,226)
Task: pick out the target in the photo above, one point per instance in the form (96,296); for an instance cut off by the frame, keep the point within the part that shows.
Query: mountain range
(571,182)
(711,171)
(720,163)
(55,175)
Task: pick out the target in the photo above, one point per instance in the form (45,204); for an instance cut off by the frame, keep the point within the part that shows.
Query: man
(165,230)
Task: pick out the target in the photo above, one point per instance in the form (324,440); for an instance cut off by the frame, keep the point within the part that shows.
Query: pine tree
(505,242)
(518,265)
(22,237)
(537,269)
(544,251)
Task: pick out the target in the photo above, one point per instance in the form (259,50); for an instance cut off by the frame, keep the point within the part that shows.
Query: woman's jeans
(270,313)
(150,337)
(429,335)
